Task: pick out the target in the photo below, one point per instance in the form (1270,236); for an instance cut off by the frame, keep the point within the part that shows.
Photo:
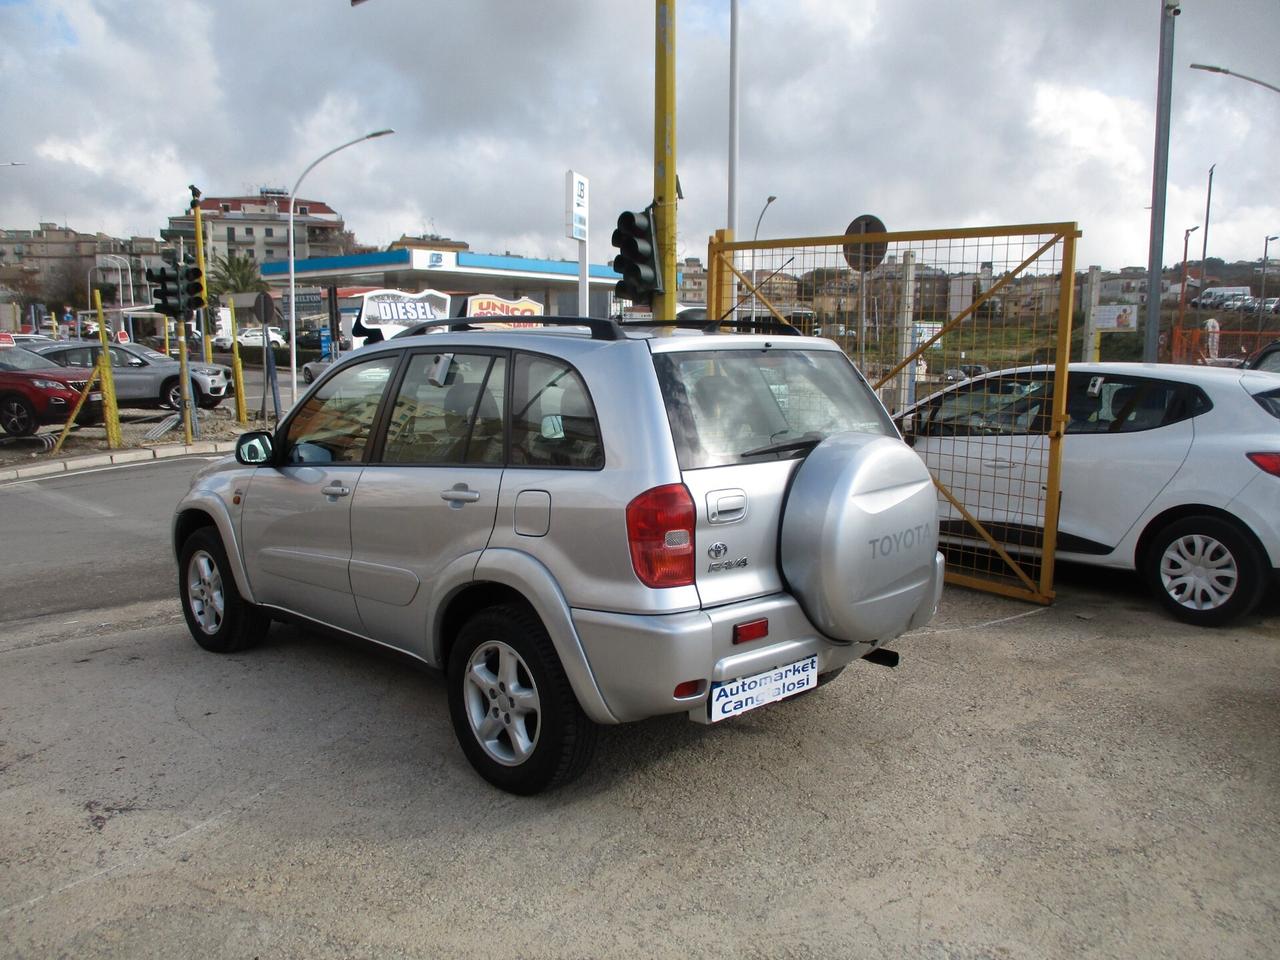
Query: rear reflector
(689,688)
(752,630)
(1270,462)
(660,525)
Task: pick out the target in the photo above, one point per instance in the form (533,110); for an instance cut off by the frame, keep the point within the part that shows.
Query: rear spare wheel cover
(859,536)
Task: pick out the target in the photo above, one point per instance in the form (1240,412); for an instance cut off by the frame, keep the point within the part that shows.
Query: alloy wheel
(15,418)
(502,703)
(204,592)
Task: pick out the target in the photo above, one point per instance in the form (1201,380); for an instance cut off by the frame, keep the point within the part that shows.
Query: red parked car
(35,391)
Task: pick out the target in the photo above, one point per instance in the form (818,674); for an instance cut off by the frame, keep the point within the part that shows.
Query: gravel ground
(216,424)
(1087,780)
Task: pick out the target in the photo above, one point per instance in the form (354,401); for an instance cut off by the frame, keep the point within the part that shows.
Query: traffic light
(165,294)
(638,258)
(190,288)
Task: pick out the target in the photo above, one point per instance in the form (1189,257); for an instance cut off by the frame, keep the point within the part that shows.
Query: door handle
(335,490)
(460,494)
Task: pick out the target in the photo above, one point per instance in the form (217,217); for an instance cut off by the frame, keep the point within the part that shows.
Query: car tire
(171,394)
(220,620)
(513,710)
(1205,570)
(17,416)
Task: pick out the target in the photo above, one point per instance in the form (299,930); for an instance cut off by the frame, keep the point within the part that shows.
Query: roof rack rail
(600,329)
(713,326)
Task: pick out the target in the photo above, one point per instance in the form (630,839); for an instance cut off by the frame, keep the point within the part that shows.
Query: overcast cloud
(928,114)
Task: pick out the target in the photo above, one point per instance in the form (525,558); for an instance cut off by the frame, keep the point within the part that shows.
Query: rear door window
(722,403)
(553,421)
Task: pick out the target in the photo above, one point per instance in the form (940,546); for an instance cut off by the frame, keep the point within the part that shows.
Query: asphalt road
(1087,780)
(90,540)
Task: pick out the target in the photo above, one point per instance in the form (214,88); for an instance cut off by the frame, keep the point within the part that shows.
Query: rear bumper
(638,660)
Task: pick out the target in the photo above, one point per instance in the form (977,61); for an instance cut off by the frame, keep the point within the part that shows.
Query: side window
(1270,362)
(448,411)
(79,357)
(1111,404)
(1130,405)
(335,422)
(553,423)
(120,358)
(994,406)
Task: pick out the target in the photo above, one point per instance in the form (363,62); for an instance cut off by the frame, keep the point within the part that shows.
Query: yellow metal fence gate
(965,334)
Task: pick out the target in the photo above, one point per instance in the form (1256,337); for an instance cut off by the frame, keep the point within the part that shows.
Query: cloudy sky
(928,113)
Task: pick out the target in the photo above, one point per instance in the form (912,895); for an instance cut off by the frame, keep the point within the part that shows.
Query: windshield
(152,354)
(15,358)
(724,404)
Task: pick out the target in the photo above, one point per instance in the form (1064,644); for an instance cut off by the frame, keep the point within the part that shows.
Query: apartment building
(257,227)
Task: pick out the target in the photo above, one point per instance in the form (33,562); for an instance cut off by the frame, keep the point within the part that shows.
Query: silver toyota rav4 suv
(579,523)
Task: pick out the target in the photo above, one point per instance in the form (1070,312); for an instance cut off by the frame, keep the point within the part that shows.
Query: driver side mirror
(136,362)
(254,449)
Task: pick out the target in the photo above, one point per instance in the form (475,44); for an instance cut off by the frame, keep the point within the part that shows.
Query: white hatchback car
(1170,470)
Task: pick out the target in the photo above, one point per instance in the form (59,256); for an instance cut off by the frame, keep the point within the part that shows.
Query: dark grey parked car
(143,377)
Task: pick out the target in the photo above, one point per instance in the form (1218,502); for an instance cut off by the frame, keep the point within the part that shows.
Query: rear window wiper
(807,442)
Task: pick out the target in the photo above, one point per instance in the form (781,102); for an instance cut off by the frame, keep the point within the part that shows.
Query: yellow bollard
(110,412)
(237,372)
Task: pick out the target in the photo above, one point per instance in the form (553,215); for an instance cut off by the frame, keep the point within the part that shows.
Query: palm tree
(235,274)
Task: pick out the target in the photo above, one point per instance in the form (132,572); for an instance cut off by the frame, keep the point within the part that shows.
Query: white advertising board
(1116,318)
(384,313)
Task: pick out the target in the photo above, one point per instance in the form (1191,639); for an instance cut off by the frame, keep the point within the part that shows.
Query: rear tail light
(1270,462)
(660,524)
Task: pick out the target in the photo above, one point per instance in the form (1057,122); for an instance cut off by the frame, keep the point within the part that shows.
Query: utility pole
(1159,181)
(664,155)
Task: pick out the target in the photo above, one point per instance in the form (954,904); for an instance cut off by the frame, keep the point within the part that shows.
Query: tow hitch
(882,657)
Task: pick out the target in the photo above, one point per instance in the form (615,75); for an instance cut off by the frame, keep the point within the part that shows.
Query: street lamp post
(1208,68)
(1262,298)
(1182,296)
(755,235)
(293,306)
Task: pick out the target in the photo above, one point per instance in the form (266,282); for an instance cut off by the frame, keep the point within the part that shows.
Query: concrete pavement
(1088,780)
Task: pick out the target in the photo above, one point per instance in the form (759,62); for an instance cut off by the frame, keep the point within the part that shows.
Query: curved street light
(1209,68)
(1262,297)
(293,306)
(755,235)
(1182,295)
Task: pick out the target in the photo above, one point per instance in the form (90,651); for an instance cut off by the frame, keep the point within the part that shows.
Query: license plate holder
(729,698)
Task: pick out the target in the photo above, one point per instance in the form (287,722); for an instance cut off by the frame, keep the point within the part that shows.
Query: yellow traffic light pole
(204,285)
(664,155)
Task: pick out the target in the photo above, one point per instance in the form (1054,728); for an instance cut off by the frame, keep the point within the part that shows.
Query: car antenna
(725,316)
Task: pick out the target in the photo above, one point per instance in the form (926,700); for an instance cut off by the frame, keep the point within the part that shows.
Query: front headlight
(50,385)
(208,371)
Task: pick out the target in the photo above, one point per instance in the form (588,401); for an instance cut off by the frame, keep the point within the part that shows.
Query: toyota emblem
(717,550)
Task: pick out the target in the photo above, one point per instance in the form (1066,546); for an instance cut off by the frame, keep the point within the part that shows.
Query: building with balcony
(257,227)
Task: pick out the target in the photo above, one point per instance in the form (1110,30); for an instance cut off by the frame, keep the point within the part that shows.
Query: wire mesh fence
(965,335)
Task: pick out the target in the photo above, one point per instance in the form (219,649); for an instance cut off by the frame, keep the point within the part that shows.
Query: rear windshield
(723,403)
